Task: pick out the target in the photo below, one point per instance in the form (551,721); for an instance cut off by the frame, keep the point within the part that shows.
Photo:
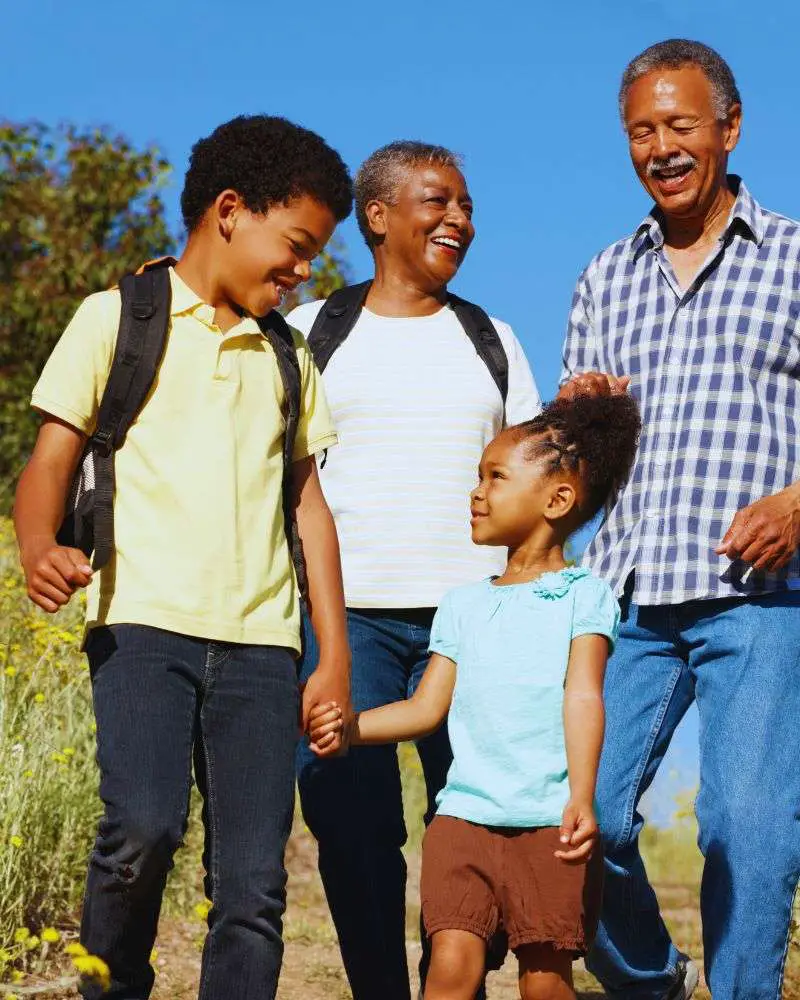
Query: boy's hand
(325,729)
(579,833)
(328,684)
(53,574)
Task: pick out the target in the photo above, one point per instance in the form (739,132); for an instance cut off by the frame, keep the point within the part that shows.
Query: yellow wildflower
(202,909)
(69,751)
(21,935)
(32,942)
(154,954)
(5,956)
(93,968)
(10,671)
(16,841)
(59,758)
(39,698)
(76,950)
(51,935)
(27,774)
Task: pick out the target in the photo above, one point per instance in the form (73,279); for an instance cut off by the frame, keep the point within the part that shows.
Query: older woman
(419,381)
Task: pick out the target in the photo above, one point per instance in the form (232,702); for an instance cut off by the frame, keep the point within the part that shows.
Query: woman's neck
(396,292)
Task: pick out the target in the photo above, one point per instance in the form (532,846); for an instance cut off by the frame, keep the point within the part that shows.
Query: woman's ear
(375,212)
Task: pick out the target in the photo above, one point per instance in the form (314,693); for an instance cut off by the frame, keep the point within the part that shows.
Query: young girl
(518,662)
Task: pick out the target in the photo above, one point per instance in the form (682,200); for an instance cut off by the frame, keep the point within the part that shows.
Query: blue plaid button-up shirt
(716,371)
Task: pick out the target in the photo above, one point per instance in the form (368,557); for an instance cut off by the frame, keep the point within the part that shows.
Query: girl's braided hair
(594,437)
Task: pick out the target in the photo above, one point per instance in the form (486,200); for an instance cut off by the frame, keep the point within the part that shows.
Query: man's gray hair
(676,53)
(381,174)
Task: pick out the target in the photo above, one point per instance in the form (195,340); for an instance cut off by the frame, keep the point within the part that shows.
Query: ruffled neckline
(551,586)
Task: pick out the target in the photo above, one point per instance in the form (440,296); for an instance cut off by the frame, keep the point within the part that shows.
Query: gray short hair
(676,53)
(380,175)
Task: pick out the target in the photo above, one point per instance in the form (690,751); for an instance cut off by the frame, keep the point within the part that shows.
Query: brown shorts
(500,879)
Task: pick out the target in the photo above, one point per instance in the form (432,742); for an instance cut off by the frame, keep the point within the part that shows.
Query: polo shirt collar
(746,213)
(185,301)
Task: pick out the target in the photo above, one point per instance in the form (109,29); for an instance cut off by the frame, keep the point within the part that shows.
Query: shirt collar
(746,212)
(185,301)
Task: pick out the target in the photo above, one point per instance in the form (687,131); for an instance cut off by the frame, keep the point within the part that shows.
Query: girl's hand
(325,729)
(579,833)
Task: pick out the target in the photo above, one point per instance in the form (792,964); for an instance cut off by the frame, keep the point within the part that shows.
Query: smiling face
(518,494)
(269,254)
(678,146)
(427,229)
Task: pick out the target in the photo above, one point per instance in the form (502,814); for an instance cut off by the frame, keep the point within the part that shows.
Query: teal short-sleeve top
(511,647)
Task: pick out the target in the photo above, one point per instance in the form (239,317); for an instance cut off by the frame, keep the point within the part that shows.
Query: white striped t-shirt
(414,407)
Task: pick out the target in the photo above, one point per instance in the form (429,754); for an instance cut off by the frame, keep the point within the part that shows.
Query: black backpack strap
(335,320)
(144,321)
(485,339)
(277,331)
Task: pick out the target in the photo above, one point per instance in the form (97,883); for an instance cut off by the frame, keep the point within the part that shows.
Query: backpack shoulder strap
(335,320)
(485,339)
(279,335)
(142,336)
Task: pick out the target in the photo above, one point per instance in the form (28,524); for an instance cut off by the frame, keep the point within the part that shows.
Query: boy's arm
(584,723)
(420,715)
(53,572)
(331,680)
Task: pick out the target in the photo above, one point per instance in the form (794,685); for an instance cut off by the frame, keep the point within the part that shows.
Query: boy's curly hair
(266,160)
(593,436)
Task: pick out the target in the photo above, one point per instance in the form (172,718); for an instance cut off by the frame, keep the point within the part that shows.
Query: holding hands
(326,730)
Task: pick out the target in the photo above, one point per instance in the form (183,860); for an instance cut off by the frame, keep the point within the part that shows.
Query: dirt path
(313,969)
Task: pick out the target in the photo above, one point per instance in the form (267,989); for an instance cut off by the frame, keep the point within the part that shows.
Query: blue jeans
(160,700)
(354,808)
(740,660)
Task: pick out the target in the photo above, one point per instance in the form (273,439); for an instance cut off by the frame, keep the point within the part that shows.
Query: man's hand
(594,384)
(579,833)
(767,533)
(325,729)
(328,684)
(53,574)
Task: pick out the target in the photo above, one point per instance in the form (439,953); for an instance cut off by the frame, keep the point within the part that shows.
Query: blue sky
(526,91)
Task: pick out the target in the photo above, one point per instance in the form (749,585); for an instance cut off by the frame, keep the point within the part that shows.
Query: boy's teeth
(447,242)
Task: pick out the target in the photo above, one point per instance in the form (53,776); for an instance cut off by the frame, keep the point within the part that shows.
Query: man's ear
(561,501)
(227,206)
(375,212)
(733,127)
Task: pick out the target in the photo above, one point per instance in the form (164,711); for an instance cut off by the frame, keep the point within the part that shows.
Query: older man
(419,381)
(698,311)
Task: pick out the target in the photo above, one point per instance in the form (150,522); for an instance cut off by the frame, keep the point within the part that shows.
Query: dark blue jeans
(162,700)
(354,808)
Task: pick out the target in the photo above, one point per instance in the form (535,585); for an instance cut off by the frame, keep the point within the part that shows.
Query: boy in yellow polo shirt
(194,623)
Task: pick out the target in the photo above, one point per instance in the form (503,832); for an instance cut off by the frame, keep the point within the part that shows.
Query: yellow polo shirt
(200,546)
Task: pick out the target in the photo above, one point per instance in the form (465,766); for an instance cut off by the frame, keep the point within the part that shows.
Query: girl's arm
(419,716)
(584,723)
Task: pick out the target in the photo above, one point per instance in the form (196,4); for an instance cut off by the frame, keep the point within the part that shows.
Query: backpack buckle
(143,310)
(103,441)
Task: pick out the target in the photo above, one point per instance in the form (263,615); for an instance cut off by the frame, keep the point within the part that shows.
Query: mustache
(677,160)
